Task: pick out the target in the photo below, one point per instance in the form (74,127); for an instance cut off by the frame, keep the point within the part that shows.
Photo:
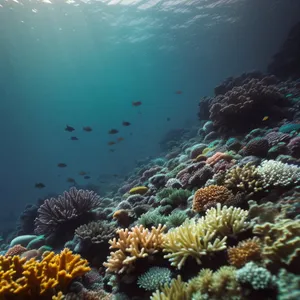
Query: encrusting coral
(281,242)
(31,279)
(209,196)
(138,242)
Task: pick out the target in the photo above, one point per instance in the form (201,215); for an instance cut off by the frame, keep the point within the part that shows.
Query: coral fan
(131,245)
(209,196)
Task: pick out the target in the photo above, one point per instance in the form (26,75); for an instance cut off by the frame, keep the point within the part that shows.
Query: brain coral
(209,196)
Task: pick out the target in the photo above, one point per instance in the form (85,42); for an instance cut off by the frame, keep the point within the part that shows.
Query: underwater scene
(150,149)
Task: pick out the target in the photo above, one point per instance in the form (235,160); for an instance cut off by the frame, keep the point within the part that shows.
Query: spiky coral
(70,206)
(132,244)
(209,196)
(244,252)
(30,279)
(281,241)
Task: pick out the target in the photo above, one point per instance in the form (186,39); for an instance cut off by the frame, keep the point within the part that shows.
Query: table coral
(138,242)
(31,279)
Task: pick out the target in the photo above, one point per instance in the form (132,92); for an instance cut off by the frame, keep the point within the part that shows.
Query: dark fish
(112,150)
(115,175)
(39,185)
(113,131)
(130,133)
(61,165)
(69,128)
(120,139)
(74,138)
(125,123)
(168,119)
(87,177)
(178,92)
(111,143)
(82,173)
(71,180)
(136,103)
(87,128)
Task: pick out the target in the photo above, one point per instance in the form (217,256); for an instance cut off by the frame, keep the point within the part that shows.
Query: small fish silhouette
(87,177)
(125,123)
(74,138)
(39,185)
(111,143)
(87,128)
(82,173)
(168,119)
(136,103)
(71,180)
(112,150)
(265,118)
(61,165)
(120,139)
(178,92)
(69,128)
(113,131)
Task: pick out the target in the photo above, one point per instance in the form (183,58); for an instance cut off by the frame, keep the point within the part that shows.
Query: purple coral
(67,211)
(294,147)
(274,137)
(244,106)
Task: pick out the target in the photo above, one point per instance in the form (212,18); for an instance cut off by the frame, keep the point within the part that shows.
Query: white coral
(276,173)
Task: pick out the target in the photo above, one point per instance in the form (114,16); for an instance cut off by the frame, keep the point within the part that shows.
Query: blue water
(82,63)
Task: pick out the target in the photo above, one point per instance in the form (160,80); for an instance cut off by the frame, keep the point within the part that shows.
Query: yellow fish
(265,118)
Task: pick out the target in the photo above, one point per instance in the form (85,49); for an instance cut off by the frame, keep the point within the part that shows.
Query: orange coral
(218,156)
(122,216)
(138,242)
(33,278)
(209,196)
(15,250)
(244,252)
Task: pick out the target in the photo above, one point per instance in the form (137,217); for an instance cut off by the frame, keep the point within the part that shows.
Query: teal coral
(154,278)
(258,277)
(287,128)
(288,285)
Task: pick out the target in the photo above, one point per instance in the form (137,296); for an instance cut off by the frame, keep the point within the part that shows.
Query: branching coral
(66,209)
(206,235)
(244,252)
(32,278)
(243,179)
(281,241)
(209,196)
(191,239)
(132,244)
(276,173)
(177,290)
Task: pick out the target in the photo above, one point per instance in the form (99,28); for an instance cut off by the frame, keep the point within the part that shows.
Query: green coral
(154,278)
(152,218)
(176,218)
(258,277)
(288,285)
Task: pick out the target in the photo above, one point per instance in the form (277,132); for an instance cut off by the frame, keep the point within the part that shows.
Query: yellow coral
(59,296)
(203,236)
(140,190)
(34,278)
(191,239)
(176,290)
(244,252)
(138,242)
